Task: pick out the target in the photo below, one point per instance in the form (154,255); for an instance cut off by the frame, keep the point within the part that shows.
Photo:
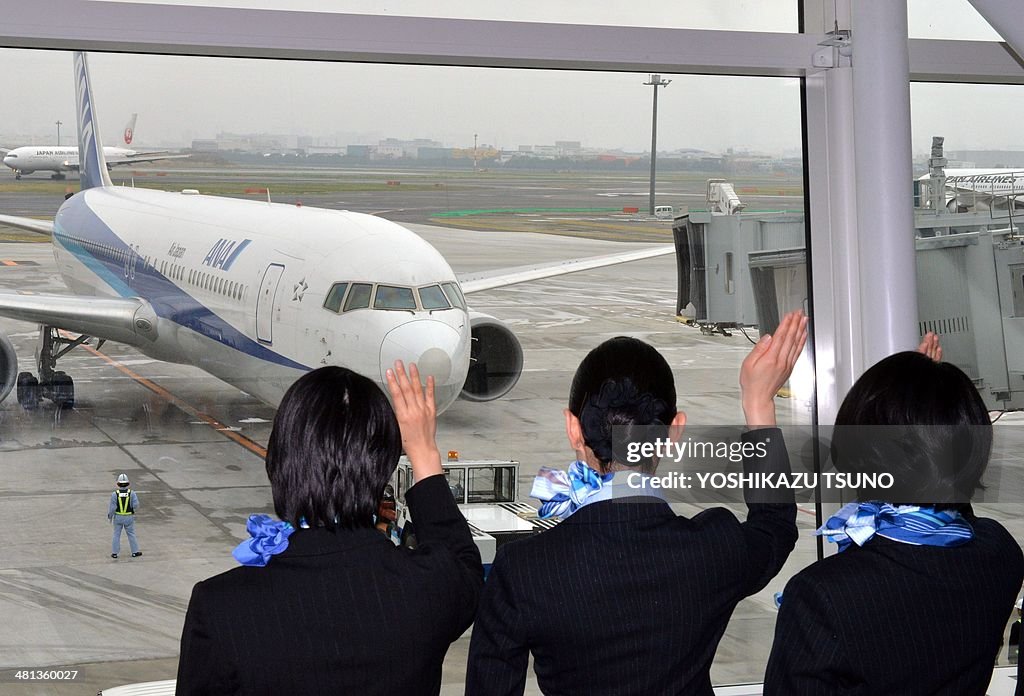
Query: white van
(664,211)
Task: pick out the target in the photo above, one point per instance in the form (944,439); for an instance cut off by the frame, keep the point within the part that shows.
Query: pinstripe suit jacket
(892,618)
(325,615)
(1020,677)
(624,596)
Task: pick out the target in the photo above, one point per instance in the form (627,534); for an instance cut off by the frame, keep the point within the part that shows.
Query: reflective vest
(124,502)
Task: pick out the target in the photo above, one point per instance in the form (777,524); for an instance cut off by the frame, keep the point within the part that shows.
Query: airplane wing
(488,280)
(146,157)
(30,224)
(127,320)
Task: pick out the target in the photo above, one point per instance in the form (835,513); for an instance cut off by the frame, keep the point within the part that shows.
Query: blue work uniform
(123,506)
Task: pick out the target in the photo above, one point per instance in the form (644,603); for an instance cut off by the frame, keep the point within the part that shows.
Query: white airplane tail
(91,161)
(129,130)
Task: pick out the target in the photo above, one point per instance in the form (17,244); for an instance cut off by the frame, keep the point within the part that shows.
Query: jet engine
(8,367)
(495,359)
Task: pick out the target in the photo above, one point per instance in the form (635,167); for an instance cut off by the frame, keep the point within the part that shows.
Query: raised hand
(930,346)
(416,412)
(768,366)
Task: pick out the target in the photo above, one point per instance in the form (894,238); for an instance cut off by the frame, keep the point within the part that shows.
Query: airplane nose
(436,348)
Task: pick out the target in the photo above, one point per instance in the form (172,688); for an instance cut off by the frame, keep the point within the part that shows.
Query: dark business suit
(892,618)
(624,596)
(338,613)
(1019,691)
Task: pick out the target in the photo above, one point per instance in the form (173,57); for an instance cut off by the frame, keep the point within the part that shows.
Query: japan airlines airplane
(992,188)
(257,293)
(56,159)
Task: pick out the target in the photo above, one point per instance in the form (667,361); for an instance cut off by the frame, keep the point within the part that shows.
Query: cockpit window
(455,295)
(359,296)
(334,297)
(11,157)
(393,297)
(431,297)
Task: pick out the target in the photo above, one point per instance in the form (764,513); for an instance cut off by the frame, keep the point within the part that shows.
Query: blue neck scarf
(856,523)
(564,492)
(268,538)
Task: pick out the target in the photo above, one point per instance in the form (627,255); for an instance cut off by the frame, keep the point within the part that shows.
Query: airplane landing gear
(58,176)
(52,384)
(17,175)
(28,391)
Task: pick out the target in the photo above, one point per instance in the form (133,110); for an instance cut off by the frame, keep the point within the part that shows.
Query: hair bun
(617,403)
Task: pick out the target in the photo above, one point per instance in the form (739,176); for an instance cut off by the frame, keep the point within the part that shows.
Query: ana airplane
(257,293)
(57,159)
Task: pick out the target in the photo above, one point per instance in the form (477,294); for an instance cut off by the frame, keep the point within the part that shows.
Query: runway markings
(225,430)
(9,262)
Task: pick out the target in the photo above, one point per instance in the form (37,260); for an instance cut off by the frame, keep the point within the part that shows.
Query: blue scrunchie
(269,537)
(563,493)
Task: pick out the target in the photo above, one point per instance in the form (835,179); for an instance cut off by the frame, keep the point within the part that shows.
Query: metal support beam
(884,179)
(219,31)
(1005,17)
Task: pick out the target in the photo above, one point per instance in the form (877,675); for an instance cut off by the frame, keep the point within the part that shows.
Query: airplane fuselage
(239,288)
(44,158)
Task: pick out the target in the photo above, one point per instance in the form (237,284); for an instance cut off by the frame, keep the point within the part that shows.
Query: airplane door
(265,303)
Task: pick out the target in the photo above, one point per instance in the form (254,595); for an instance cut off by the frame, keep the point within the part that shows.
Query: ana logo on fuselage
(224,253)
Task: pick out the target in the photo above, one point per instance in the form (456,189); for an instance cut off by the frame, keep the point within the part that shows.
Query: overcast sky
(179,99)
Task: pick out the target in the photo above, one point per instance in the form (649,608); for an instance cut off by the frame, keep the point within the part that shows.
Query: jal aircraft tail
(92,164)
(129,130)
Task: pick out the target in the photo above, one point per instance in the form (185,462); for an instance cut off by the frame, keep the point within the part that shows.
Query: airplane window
(334,297)
(393,297)
(455,295)
(359,297)
(431,297)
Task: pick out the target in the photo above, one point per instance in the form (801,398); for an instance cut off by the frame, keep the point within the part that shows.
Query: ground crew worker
(121,511)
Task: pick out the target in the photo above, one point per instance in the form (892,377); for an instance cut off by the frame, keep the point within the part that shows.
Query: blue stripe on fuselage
(77,227)
(234,255)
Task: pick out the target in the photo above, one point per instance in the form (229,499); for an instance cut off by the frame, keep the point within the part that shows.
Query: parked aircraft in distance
(258,293)
(59,159)
(992,188)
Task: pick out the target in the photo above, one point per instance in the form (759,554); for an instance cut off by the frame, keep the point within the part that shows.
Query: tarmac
(190,445)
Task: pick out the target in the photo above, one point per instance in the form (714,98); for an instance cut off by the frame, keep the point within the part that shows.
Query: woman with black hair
(322,595)
(624,596)
(917,598)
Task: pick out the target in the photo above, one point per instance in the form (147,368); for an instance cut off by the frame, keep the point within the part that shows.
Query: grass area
(234,188)
(513,211)
(8,234)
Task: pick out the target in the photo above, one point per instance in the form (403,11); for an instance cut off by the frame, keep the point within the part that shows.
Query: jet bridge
(746,269)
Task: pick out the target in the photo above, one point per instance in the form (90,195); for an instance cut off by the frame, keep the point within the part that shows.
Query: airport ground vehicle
(487,492)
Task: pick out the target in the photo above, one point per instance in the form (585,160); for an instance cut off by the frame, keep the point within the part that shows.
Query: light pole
(655,82)
(474,152)
(58,132)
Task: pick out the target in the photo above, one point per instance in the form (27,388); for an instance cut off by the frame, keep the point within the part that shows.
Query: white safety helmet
(122,480)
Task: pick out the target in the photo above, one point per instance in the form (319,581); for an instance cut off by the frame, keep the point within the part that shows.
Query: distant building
(434,153)
(988,158)
(205,145)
